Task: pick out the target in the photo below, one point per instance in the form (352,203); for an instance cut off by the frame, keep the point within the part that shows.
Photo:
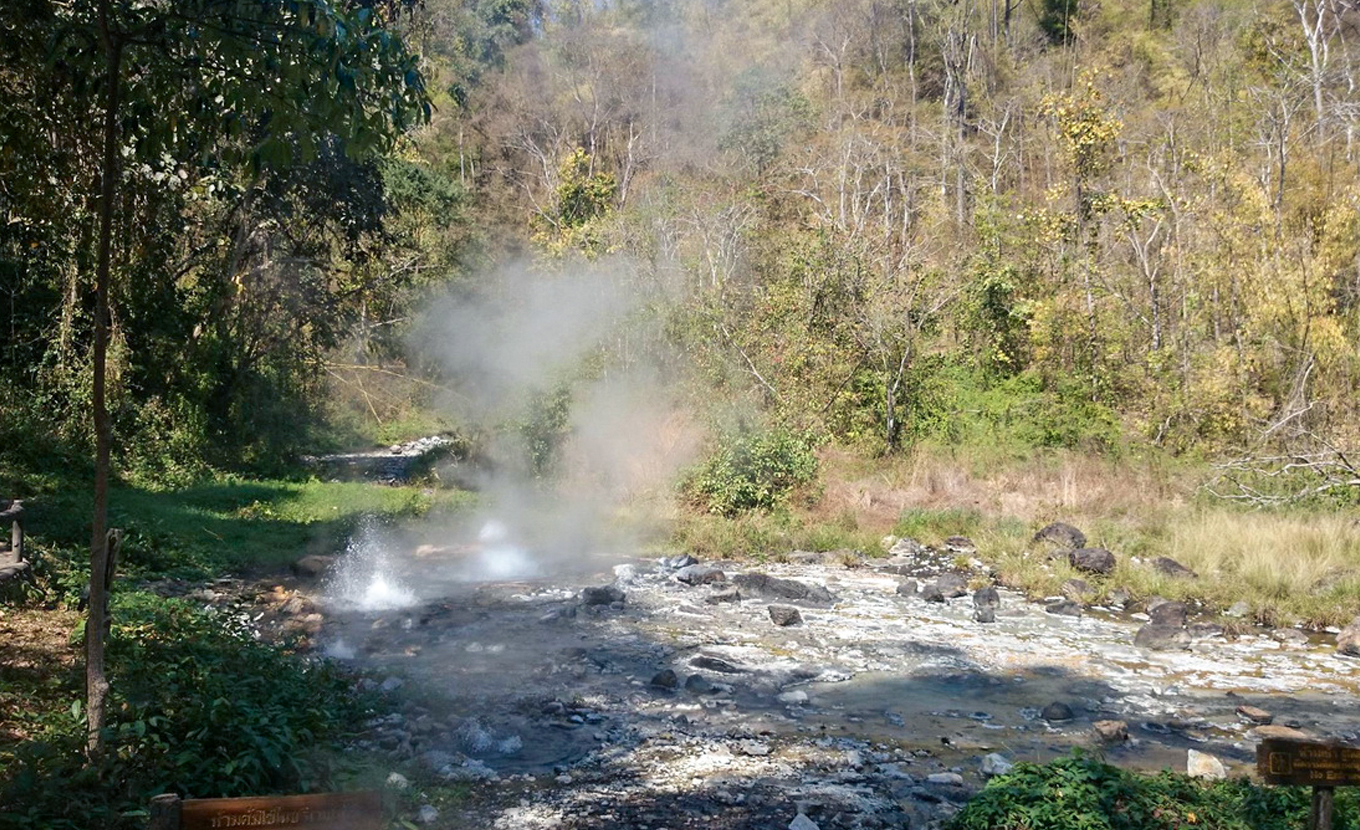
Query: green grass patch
(1080,791)
(769,536)
(227,525)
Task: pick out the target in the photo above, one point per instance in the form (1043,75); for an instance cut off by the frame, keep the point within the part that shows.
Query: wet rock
(675,563)
(948,779)
(986,598)
(397,781)
(951,585)
(802,822)
(1064,608)
(699,685)
(700,575)
(1204,631)
(764,585)
(931,593)
(906,548)
(1168,613)
(1292,636)
(1111,731)
(908,588)
(1062,535)
(312,566)
(723,595)
(1092,560)
(984,615)
(996,764)
(427,814)
(1057,711)
(1155,637)
(1203,765)
(602,595)
(960,544)
(1167,566)
(1238,609)
(1078,590)
(665,679)
(717,664)
(1348,640)
(1119,597)
(1261,733)
(785,615)
(1251,714)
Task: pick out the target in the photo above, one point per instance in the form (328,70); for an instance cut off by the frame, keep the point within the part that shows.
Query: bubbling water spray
(499,558)
(364,579)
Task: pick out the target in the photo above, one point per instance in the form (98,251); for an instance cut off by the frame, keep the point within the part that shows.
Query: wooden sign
(1308,763)
(333,811)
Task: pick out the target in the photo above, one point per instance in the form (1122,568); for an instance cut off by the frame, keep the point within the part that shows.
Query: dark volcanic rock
(1170,567)
(764,585)
(1064,608)
(985,614)
(717,664)
(601,595)
(700,575)
(1057,711)
(699,685)
(1062,535)
(909,588)
(1162,637)
(931,592)
(785,615)
(1078,590)
(723,595)
(1348,640)
(1203,631)
(1092,560)
(666,679)
(1168,613)
(986,598)
(952,585)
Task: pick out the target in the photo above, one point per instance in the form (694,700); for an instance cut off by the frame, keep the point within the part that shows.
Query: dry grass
(1289,566)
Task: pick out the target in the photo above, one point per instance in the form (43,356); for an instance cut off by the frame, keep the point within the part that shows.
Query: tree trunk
(96,685)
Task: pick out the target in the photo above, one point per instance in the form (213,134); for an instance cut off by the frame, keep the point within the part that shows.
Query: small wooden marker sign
(1322,766)
(326,811)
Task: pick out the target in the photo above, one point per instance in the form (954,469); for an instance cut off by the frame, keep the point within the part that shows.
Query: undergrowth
(197,707)
(1080,791)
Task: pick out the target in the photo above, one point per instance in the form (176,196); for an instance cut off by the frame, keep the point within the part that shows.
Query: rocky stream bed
(829,691)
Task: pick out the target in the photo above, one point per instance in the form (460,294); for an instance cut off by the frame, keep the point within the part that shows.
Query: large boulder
(783,615)
(986,597)
(1156,637)
(1203,765)
(1348,640)
(1168,613)
(1092,560)
(952,585)
(602,595)
(764,585)
(1061,534)
(700,575)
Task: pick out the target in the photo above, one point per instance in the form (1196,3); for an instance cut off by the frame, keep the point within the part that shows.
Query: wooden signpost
(1322,766)
(330,811)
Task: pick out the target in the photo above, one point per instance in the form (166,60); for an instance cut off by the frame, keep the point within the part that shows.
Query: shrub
(197,707)
(756,471)
(1081,791)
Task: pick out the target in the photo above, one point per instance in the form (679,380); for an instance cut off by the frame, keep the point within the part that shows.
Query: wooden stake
(1322,809)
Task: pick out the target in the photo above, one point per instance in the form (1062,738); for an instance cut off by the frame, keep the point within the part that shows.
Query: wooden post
(165,812)
(1322,809)
(16,544)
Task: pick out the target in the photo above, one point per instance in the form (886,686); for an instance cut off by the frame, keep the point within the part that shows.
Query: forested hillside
(1078,224)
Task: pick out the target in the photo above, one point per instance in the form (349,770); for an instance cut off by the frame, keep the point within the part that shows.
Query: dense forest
(1053,223)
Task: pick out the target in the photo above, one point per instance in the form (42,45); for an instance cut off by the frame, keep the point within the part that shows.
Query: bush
(1080,791)
(197,707)
(756,471)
